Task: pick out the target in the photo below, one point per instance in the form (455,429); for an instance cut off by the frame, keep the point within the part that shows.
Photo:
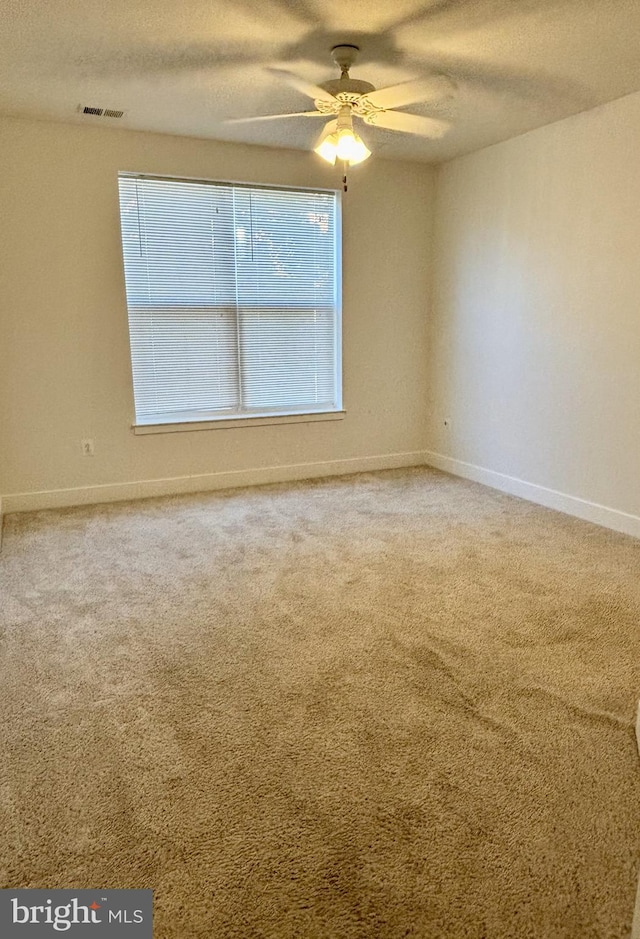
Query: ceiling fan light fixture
(343,145)
(339,142)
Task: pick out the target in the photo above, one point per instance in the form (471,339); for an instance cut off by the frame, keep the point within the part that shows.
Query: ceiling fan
(344,98)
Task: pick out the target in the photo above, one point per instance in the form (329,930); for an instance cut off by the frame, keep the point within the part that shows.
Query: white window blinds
(233,299)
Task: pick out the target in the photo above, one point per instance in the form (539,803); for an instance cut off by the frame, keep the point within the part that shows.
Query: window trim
(219,421)
(227,423)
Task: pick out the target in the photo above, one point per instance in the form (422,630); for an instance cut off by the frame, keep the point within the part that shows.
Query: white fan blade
(398,96)
(409,123)
(313,91)
(273,117)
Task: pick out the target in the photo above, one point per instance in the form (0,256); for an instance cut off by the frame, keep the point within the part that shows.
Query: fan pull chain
(344,177)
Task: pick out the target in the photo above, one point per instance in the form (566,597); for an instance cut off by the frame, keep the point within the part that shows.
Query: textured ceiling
(183,66)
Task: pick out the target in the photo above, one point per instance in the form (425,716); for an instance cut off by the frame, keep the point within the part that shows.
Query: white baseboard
(550,498)
(143,489)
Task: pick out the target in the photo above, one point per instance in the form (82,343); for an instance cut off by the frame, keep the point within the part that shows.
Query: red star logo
(94,906)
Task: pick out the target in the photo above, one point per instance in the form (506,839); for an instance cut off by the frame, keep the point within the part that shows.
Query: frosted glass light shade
(344,145)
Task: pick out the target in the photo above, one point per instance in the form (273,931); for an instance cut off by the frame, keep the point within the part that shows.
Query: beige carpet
(389,705)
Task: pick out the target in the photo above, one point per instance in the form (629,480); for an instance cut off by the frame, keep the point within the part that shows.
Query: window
(233,299)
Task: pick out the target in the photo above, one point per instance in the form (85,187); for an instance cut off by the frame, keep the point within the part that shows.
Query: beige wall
(532,349)
(535,345)
(65,371)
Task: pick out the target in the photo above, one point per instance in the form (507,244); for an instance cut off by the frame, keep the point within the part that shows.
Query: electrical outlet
(88,447)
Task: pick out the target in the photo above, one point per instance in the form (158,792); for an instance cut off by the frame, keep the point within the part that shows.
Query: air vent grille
(100,112)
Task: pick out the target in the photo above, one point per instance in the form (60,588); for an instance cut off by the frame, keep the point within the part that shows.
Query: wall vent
(99,112)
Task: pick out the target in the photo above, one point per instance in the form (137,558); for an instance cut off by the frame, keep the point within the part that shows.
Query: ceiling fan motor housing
(347,86)
(345,90)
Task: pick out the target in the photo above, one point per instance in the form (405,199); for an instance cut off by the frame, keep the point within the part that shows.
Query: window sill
(225,423)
